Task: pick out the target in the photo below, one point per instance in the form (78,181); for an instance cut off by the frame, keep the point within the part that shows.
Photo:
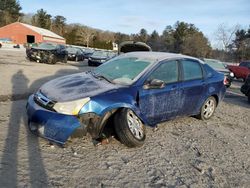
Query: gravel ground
(185,152)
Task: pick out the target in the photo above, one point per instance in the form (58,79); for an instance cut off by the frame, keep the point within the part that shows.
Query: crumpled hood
(75,86)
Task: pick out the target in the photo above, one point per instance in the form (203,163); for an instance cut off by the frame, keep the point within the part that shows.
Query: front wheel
(208,108)
(129,128)
(52,59)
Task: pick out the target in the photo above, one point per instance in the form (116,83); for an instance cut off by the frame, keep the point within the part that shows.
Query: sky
(131,15)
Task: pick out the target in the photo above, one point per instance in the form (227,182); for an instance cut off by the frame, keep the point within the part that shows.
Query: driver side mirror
(154,84)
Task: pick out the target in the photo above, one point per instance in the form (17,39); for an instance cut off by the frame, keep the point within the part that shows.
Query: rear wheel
(208,108)
(129,128)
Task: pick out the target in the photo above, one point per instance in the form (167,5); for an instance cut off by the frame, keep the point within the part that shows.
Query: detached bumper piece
(50,125)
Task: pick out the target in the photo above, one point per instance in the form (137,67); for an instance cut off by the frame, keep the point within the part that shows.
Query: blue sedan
(135,89)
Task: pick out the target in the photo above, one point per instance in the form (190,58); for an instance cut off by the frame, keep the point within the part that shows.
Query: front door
(162,103)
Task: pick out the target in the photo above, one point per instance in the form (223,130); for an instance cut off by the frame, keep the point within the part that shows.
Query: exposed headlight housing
(103,60)
(72,107)
(231,74)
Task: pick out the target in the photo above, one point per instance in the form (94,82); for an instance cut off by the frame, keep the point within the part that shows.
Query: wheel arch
(216,98)
(104,113)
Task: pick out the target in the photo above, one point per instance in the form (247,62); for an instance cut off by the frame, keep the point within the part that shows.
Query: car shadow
(9,172)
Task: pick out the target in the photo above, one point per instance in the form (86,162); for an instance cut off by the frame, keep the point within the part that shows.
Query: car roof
(158,56)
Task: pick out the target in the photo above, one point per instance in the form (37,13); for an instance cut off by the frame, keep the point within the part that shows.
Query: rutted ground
(185,152)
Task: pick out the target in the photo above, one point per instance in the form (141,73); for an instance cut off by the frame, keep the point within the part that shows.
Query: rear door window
(191,70)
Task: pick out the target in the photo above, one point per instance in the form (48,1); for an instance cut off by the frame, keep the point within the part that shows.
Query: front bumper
(51,125)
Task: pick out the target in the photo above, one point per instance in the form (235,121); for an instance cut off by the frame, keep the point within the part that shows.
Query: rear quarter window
(209,71)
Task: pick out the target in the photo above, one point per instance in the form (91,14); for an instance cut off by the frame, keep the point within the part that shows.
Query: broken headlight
(72,107)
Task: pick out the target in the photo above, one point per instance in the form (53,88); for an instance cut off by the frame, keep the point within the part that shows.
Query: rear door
(192,87)
(163,103)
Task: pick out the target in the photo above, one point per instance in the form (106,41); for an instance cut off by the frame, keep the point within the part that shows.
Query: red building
(21,33)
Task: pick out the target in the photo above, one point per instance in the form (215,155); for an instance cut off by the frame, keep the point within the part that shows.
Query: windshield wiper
(99,76)
(103,77)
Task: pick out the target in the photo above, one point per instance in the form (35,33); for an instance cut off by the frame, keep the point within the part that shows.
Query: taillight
(225,80)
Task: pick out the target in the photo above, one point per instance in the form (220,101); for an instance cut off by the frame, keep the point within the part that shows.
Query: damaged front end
(44,121)
(41,56)
(50,124)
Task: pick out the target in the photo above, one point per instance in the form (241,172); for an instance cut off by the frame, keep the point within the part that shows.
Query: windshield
(214,64)
(123,70)
(100,53)
(47,46)
(73,50)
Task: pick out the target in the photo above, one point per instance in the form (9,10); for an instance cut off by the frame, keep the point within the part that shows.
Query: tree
(154,41)
(85,35)
(143,35)
(242,44)
(70,34)
(182,31)
(58,25)
(42,19)
(224,35)
(168,39)
(120,37)
(185,38)
(9,12)
(196,45)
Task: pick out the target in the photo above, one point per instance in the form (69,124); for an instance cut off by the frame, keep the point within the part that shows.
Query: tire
(129,128)
(248,99)
(89,64)
(0,45)
(52,59)
(207,109)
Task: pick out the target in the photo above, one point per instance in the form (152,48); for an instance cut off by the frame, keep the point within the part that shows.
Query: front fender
(101,108)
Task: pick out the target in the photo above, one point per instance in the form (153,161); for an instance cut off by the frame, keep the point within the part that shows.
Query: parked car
(88,52)
(99,57)
(245,88)
(220,67)
(241,71)
(136,89)
(47,53)
(132,46)
(75,54)
(5,41)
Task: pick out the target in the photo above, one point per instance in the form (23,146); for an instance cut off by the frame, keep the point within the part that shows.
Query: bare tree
(225,35)
(86,34)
